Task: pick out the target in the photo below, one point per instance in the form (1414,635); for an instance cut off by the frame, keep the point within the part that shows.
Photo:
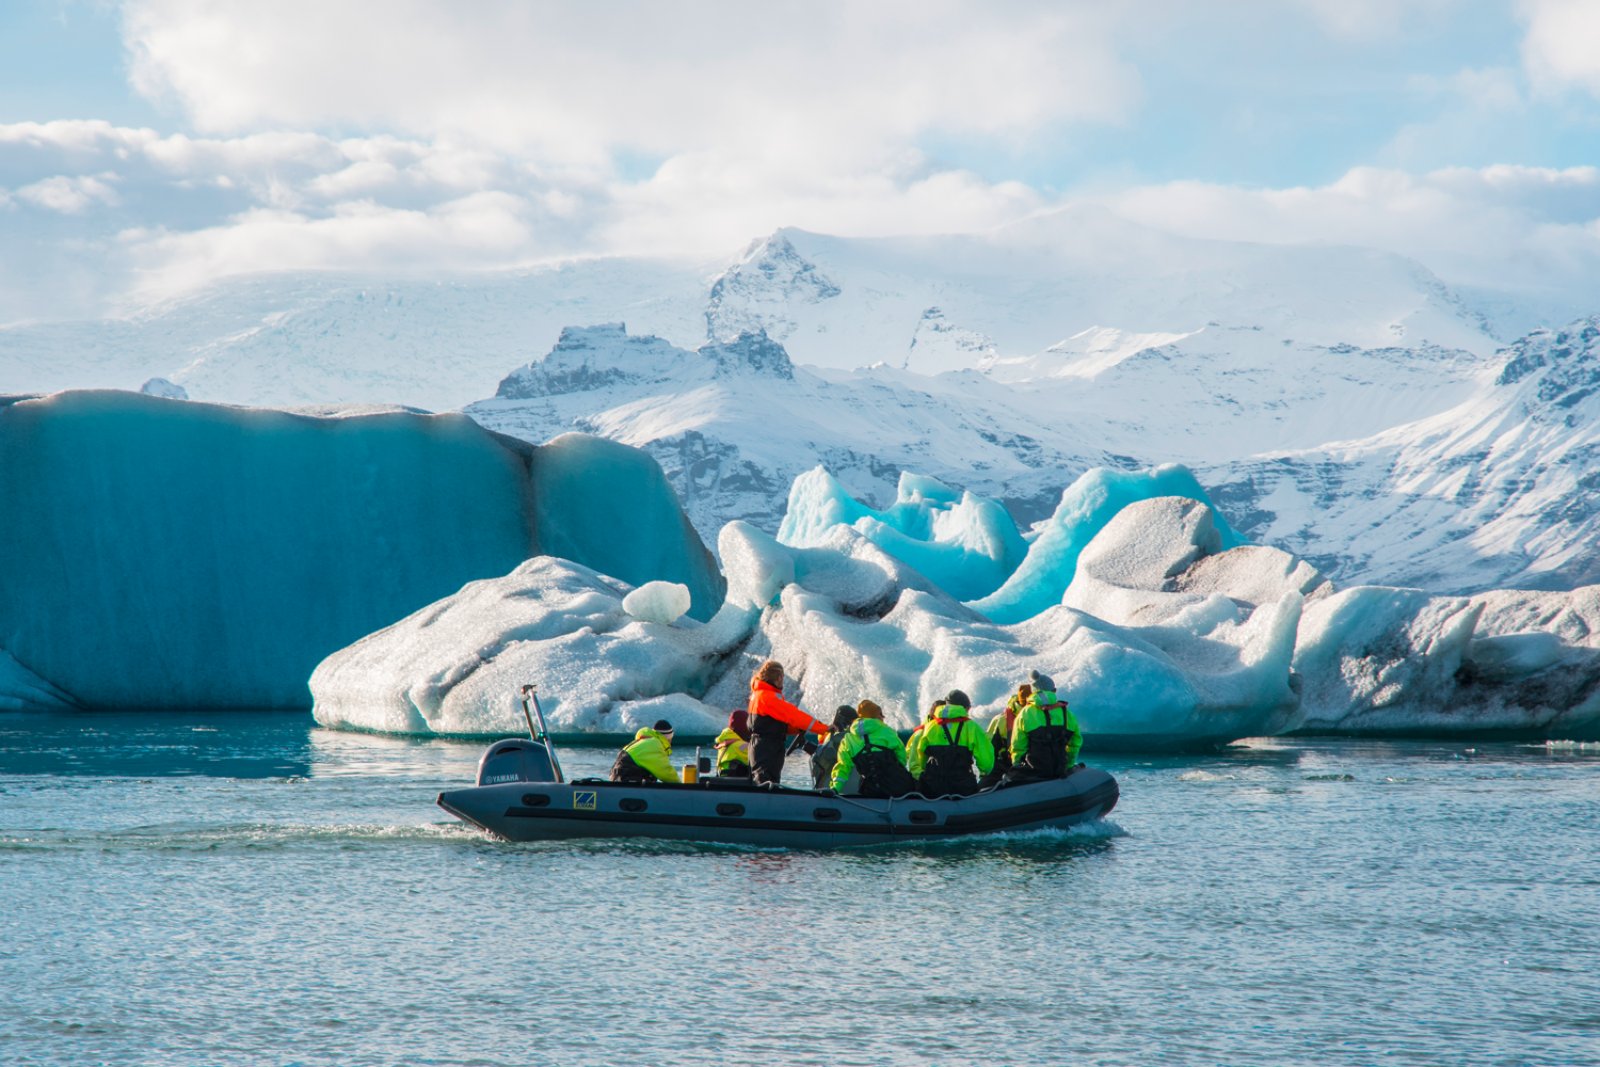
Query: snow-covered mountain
(734,423)
(1455,473)
(926,304)
(293,339)
(934,303)
(1502,489)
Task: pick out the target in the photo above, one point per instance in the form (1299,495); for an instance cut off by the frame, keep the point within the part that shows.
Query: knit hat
(869,710)
(843,716)
(1042,682)
(664,728)
(957,697)
(771,672)
(739,723)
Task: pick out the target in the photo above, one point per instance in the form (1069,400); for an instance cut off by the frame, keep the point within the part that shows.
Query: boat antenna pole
(528,715)
(544,730)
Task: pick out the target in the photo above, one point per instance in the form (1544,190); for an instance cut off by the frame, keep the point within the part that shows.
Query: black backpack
(947,768)
(882,775)
(1047,749)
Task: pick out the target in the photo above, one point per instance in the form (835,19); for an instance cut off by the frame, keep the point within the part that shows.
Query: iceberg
(160,553)
(1386,660)
(848,620)
(455,666)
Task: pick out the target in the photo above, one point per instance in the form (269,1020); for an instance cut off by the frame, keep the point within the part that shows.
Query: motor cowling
(516,759)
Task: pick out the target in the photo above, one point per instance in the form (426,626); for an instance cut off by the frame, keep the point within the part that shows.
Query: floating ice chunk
(686,714)
(660,602)
(1086,507)
(1367,650)
(922,488)
(455,666)
(1161,561)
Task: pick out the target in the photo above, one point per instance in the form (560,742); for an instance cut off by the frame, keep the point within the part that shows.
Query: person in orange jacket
(772,720)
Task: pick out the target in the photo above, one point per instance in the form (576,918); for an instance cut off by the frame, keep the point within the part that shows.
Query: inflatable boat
(521,796)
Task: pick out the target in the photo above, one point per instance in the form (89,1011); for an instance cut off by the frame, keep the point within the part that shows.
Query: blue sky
(149,146)
(66,60)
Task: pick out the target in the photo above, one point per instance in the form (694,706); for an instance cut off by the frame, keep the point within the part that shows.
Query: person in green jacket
(999,731)
(1047,739)
(945,753)
(872,750)
(648,758)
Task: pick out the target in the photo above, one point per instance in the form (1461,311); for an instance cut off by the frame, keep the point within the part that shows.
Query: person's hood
(650,731)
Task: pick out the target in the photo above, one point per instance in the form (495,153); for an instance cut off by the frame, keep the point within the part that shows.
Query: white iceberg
(456,666)
(847,619)
(662,602)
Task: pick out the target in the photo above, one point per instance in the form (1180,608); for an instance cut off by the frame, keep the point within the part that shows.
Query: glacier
(163,553)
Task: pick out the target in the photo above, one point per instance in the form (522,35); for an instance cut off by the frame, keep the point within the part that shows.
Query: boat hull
(732,811)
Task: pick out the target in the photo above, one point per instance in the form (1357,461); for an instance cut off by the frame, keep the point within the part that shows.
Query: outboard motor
(517,759)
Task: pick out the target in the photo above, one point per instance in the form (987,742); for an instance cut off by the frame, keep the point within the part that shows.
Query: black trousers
(766,756)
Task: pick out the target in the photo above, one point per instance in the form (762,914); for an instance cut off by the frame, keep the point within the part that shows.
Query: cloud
(1366,20)
(474,231)
(572,84)
(414,135)
(177,211)
(710,203)
(1561,49)
(69,195)
(1500,226)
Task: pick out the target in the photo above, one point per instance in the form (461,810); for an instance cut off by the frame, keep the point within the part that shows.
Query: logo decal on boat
(584,799)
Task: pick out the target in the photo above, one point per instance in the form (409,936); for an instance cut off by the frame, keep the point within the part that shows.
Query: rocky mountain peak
(757,292)
(1565,363)
(586,358)
(751,352)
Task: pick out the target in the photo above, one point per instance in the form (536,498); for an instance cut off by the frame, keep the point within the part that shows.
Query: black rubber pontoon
(518,800)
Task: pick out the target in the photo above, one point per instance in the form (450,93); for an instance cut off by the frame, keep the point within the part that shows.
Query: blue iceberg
(168,554)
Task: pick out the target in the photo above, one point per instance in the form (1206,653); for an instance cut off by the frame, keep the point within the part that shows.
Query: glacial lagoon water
(251,889)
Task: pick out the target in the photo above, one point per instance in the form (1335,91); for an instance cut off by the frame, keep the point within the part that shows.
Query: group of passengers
(1035,737)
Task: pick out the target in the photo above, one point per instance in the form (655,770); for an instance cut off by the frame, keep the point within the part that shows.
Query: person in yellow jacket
(872,751)
(648,758)
(947,751)
(1047,739)
(733,746)
(999,732)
